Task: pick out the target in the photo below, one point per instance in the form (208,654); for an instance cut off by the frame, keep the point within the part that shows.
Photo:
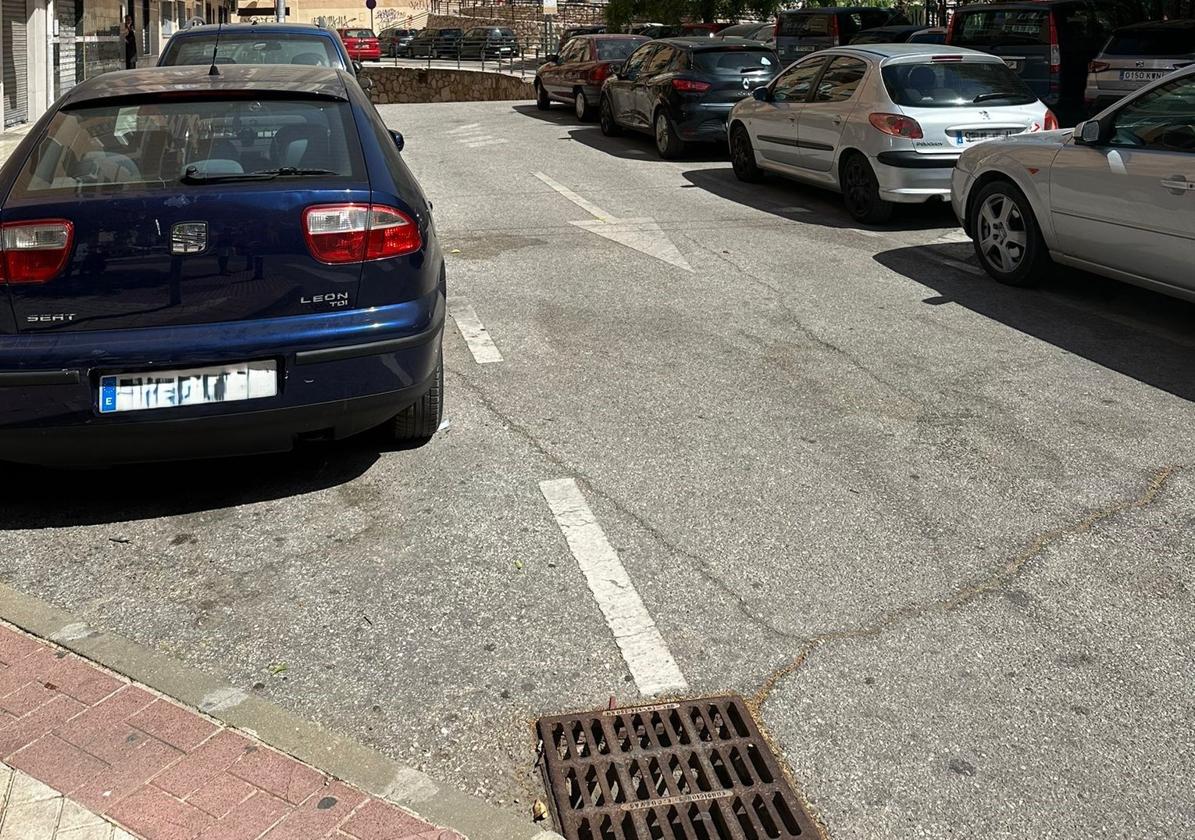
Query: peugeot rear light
(34,252)
(1055,50)
(1050,122)
(690,86)
(897,125)
(348,233)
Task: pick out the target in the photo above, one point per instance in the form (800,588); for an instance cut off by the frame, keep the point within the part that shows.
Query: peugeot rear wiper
(192,175)
(984,97)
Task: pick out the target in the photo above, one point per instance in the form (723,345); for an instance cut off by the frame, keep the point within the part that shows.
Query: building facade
(47,46)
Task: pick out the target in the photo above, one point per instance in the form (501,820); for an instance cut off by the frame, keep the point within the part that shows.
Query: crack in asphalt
(702,565)
(993,582)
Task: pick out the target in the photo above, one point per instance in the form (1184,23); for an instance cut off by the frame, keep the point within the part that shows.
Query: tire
(581,106)
(610,126)
(1008,241)
(861,192)
(420,420)
(668,144)
(742,156)
(541,98)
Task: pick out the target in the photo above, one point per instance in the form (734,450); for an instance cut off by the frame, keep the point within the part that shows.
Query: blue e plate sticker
(107,394)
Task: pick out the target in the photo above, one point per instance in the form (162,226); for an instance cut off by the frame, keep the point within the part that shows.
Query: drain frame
(697,769)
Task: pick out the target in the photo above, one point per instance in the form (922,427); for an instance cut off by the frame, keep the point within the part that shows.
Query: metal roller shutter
(15,58)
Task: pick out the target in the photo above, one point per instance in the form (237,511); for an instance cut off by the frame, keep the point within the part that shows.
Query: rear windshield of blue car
(950,84)
(616,49)
(248,48)
(1146,42)
(735,62)
(176,145)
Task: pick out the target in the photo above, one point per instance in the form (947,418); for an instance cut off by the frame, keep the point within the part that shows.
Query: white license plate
(979,136)
(196,386)
(1141,75)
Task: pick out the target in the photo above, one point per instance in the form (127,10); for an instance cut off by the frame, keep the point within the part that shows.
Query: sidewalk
(10,139)
(87,755)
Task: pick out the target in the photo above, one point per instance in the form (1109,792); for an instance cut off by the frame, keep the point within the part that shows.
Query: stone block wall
(393,85)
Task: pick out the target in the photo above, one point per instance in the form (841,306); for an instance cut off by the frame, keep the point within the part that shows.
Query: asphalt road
(939,530)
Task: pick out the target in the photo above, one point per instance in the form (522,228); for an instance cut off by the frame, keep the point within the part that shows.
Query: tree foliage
(621,12)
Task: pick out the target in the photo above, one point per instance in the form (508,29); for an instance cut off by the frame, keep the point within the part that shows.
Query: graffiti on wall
(382,19)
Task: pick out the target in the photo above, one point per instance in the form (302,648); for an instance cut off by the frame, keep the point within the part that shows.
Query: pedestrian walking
(130,43)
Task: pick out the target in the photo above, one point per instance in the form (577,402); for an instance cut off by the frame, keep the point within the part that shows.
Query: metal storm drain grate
(691,770)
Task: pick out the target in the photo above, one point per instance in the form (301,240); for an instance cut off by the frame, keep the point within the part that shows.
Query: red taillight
(951,28)
(1098,66)
(834,29)
(897,125)
(947,58)
(776,30)
(599,73)
(1051,121)
(690,86)
(1055,51)
(348,233)
(34,252)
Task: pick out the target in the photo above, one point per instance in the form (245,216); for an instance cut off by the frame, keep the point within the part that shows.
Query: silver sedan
(1116,196)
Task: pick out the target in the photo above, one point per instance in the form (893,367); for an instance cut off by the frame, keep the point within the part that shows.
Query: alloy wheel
(580,105)
(1002,234)
(662,138)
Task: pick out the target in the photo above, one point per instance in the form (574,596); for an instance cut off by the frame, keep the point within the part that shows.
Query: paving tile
(220,795)
(25,730)
(101,831)
(25,788)
(102,730)
(6,775)
(14,645)
(33,668)
(156,815)
(31,820)
(82,680)
(75,816)
(103,792)
(382,821)
(173,724)
(211,759)
(26,698)
(248,820)
(59,764)
(279,774)
(319,815)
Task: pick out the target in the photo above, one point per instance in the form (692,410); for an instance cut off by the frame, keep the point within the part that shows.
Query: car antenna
(215,71)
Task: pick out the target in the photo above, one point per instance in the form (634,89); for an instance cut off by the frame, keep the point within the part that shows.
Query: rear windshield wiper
(984,97)
(192,175)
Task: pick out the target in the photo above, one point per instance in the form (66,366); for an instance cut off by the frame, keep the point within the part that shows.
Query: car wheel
(742,156)
(861,192)
(610,126)
(420,420)
(582,107)
(1007,239)
(541,98)
(667,143)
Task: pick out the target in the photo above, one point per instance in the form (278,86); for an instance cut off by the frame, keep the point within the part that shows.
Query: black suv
(682,89)
(435,43)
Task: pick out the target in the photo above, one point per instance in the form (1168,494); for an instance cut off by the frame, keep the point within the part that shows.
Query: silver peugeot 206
(881,123)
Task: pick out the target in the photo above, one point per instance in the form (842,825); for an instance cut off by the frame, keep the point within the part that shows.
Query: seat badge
(188,237)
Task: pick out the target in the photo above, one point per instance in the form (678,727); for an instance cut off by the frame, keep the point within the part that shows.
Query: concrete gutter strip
(341,757)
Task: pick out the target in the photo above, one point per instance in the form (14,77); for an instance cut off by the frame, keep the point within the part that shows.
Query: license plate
(806,49)
(979,136)
(1141,75)
(196,386)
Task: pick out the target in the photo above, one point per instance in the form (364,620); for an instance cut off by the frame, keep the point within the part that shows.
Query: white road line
(473,331)
(464,128)
(643,648)
(493,141)
(588,206)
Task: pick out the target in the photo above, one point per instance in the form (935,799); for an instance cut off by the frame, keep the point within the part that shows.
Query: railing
(523,59)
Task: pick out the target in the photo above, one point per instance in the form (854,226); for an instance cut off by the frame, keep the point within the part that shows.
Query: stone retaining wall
(394,85)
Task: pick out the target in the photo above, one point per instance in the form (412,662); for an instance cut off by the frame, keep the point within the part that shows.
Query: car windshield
(804,23)
(988,27)
(158,144)
(616,49)
(735,62)
(359,33)
(1152,42)
(253,48)
(955,83)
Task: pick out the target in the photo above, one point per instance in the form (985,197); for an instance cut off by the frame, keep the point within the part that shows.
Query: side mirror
(399,142)
(366,83)
(763,94)
(357,67)
(1090,133)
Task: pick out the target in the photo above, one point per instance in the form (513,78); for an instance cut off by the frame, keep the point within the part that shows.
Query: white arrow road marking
(643,235)
(473,331)
(643,648)
(484,141)
(464,129)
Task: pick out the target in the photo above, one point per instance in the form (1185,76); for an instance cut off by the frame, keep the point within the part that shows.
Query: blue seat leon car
(201,265)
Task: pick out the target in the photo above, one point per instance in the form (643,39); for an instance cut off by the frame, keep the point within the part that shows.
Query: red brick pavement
(163,771)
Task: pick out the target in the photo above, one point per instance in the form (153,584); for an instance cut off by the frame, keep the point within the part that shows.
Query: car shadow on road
(630,146)
(45,497)
(1133,331)
(799,202)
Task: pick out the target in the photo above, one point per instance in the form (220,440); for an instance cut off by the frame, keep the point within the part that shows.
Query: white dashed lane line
(643,648)
(473,331)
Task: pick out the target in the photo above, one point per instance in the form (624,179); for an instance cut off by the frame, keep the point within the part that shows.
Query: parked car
(637,28)
(573,31)
(231,271)
(1136,55)
(395,40)
(436,43)
(932,35)
(1048,42)
(750,31)
(261,43)
(881,124)
(489,42)
(1113,197)
(577,74)
(804,31)
(362,44)
(660,30)
(701,30)
(682,89)
(886,35)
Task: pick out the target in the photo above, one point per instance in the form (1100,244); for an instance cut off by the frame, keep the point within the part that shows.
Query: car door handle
(1177,184)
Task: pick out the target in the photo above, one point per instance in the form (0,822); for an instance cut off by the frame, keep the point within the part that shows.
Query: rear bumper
(355,378)
(910,177)
(703,123)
